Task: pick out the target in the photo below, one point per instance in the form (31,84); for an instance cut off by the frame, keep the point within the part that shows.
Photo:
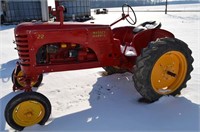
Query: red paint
(64,46)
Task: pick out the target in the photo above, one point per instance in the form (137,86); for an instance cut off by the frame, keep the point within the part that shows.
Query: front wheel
(27,109)
(163,68)
(18,78)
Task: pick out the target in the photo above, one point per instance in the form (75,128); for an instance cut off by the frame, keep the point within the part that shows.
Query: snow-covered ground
(84,100)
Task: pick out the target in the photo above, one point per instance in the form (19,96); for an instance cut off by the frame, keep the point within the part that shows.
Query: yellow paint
(40,36)
(173,62)
(20,80)
(63,45)
(73,45)
(28,113)
(98,34)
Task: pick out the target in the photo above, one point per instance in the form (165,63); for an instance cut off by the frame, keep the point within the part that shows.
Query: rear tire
(27,109)
(163,68)
(112,70)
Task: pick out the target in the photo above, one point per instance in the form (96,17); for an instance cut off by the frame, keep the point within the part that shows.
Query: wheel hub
(169,72)
(21,80)
(28,113)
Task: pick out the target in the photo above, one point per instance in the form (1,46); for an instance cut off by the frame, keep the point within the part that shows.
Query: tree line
(117,3)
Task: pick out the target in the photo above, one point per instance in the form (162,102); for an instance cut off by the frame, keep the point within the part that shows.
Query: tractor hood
(23,28)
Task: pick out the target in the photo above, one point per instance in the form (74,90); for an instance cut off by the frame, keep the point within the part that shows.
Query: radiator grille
(23,49)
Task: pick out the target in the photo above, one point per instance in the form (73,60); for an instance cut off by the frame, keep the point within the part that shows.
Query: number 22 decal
(40,36)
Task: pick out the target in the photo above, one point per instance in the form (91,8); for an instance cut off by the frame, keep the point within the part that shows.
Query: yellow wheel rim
(169,72)
(28,113)
(20,77)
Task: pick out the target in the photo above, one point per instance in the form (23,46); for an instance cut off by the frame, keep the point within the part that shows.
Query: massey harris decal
(98,34)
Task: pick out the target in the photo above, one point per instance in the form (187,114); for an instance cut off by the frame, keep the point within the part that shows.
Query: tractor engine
(59,53)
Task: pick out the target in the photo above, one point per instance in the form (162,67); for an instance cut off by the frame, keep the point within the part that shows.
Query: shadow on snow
(102,116)
(6,70)
(6,27)
(114,106)
(3,102)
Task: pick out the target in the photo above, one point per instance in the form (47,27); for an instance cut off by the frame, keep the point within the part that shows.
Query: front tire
(163,68)
(19,81)
(27,109)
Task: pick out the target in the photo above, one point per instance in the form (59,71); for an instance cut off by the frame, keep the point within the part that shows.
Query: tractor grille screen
(23,49)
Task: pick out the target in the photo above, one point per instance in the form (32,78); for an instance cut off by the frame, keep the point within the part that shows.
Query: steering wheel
(129,18)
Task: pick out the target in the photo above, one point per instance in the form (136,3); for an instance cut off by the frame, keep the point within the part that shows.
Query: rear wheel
(113,69)
(18,79)
(27,109)
(163,68)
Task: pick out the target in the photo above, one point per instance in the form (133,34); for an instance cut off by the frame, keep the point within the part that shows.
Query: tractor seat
(146,25)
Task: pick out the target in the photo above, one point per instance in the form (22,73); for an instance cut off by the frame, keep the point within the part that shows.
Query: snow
(128,50)
(85,100)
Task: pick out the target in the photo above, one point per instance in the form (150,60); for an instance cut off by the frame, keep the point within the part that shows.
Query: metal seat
(146,25)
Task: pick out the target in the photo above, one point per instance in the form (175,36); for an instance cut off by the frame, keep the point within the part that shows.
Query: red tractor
(160,63)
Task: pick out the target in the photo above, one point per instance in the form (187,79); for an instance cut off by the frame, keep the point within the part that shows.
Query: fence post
(166,6)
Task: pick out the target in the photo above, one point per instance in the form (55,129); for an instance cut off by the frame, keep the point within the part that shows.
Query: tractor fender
(142,39)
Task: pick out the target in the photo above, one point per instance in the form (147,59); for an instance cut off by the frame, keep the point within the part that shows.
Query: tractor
(160,63)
